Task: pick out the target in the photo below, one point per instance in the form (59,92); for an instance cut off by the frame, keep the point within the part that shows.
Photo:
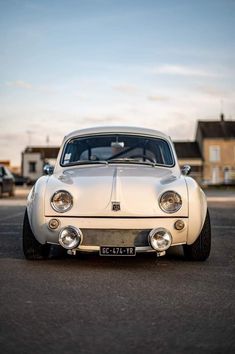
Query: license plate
(117,251)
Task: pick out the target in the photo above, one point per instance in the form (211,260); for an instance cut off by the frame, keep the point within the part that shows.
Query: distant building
(34,159)
(211,155)
(13,169)
(216,141)
(6,163)
(188,153)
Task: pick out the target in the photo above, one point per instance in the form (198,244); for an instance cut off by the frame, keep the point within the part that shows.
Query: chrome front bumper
(114,232)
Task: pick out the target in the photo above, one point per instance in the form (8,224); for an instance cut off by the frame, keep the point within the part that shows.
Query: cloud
(126,88)
(157,98)
(183,130)
(16,137)
(182,71)
(81,97)
(106,119)
(213,91)
(28,86)
(20,84)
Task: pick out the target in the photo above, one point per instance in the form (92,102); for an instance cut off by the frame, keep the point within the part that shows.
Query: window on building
(32,166)
(214,153)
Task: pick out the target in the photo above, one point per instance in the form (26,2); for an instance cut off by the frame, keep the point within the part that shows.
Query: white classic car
(117,191)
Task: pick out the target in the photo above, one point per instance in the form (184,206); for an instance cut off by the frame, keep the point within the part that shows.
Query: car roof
(116,129)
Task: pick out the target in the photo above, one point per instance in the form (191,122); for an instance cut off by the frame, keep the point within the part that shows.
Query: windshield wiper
(110,161)
(86,162)
(132,161)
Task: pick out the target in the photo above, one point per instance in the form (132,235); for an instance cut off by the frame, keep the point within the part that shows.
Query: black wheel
(200,249)
(31,247)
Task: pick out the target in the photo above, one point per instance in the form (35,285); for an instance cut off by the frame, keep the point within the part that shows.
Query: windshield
(117,148)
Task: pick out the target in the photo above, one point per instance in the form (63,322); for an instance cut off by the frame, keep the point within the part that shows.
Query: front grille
(114,237)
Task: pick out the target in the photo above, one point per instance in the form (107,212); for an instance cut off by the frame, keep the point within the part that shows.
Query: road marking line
(221,199)
(5,203)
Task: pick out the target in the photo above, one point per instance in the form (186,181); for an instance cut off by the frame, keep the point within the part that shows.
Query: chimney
(222,117)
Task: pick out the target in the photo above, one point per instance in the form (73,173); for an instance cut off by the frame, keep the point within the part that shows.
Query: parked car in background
(117,191)
(20,180)
(7,181)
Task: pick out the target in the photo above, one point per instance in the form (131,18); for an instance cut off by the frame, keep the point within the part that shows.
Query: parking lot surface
(142,304)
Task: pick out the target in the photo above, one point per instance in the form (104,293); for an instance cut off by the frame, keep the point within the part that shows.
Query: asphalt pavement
(143,304)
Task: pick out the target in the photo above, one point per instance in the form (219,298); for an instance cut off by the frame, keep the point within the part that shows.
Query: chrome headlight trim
(70,237)
(160,239)
(65,205)
(170,202)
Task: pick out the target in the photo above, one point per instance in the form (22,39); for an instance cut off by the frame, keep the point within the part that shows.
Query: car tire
(33,250)
(200,249)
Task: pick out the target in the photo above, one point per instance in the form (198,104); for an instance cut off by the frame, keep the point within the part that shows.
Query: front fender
(35,208)
(197,209)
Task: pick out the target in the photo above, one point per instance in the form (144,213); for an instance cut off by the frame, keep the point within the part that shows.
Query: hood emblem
(116,206)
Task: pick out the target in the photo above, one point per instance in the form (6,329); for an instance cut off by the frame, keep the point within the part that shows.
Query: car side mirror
(186,170)
(48,169)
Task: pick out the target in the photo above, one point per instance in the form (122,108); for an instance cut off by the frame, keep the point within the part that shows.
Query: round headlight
(70,237)
(160,239)
(62,201)
(170,202)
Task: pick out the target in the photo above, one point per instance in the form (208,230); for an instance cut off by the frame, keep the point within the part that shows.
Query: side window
(7,172)
(214,153)
(4,171)
(32,166)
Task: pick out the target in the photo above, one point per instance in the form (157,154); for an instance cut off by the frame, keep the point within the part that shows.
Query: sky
(72,64)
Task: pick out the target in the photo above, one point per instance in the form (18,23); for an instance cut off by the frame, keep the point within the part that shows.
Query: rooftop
(46,152)
(187,149)
(115,130)
(224,129)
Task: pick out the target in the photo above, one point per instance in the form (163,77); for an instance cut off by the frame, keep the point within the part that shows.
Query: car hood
(136,188)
